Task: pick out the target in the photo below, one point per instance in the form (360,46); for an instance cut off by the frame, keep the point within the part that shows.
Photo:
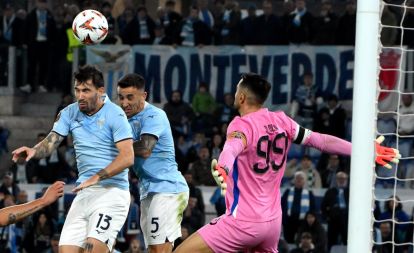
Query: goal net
(394,189)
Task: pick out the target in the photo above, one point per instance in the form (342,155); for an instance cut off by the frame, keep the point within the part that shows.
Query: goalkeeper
(251,167)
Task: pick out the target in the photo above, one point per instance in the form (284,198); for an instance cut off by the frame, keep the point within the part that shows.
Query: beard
(88,106)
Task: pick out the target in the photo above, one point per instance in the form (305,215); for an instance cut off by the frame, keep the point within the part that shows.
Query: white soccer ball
(90,27)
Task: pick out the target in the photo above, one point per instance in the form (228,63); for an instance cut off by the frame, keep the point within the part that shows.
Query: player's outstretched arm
(334,145)
(13,214)
(124,159)
(41,150)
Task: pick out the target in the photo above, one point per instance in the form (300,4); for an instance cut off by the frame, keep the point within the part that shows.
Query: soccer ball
(90,27)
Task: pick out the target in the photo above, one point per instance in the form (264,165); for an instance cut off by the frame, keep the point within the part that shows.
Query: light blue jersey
(159,172)
(94,139)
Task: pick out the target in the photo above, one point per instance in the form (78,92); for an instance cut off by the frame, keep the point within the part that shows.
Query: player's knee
(160,248)
(93,245)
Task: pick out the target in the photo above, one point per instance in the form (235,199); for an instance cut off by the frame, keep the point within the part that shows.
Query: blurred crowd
(312,222)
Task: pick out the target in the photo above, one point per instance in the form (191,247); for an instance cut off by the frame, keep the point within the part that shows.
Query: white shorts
(98,212)
(161,216)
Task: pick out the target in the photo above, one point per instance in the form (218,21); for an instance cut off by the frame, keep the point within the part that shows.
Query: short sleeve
(121,130)
(154,124)
(62,122)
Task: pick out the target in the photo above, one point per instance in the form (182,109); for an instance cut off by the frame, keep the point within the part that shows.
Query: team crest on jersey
(100,122)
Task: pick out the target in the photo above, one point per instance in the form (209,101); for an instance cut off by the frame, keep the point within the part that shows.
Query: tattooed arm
(47,145)
(41,150)
(13,214)
(124,159)
(144,146)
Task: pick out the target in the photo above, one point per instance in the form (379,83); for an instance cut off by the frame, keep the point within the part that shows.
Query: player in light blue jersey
(103,144)
(163,190)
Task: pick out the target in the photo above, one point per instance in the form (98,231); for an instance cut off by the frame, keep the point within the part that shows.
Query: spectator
(9,187)
(312,179)
(230,24)
(218,13)
(140,30)
(288,8)
(347,25)
(304,105)
(193,31)
(335,208)
(325,25)
(268,26)
(160,38)
(12,29)
(249,27)
(106,10)
(201,170)
(185,233)
(124,19)
(67,99)
(296,202)
(195,192)
(134,246)
(405,143)
(43,231)
(171,20)
(23,172)
(337,118)
(179,113)
(394,211)
(193,217)
(218,201)
(204,14)
(41,33)
(216,146)
(299,26)
(329,173)
(203,105)
(54,244)
(8,234)
(306,244)
(225,112)
(312,225)
(198,141)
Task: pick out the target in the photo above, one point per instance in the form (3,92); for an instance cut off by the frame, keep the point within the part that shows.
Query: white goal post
(364,115)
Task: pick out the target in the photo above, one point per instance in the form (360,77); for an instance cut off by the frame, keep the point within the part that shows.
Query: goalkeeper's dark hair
(257,85)
(90,72)
(132,80)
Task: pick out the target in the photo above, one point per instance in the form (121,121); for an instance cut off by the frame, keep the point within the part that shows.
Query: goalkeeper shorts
(227,234)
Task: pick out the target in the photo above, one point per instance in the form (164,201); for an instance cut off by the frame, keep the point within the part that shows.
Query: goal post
(364,126)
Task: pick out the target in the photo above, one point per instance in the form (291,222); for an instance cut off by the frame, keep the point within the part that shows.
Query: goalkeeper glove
(385,155)
(220,175)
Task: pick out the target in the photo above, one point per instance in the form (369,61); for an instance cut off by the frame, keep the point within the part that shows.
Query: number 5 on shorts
(154,221)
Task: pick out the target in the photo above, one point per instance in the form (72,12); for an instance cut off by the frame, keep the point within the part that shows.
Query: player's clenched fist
(220,175)
(384,155)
